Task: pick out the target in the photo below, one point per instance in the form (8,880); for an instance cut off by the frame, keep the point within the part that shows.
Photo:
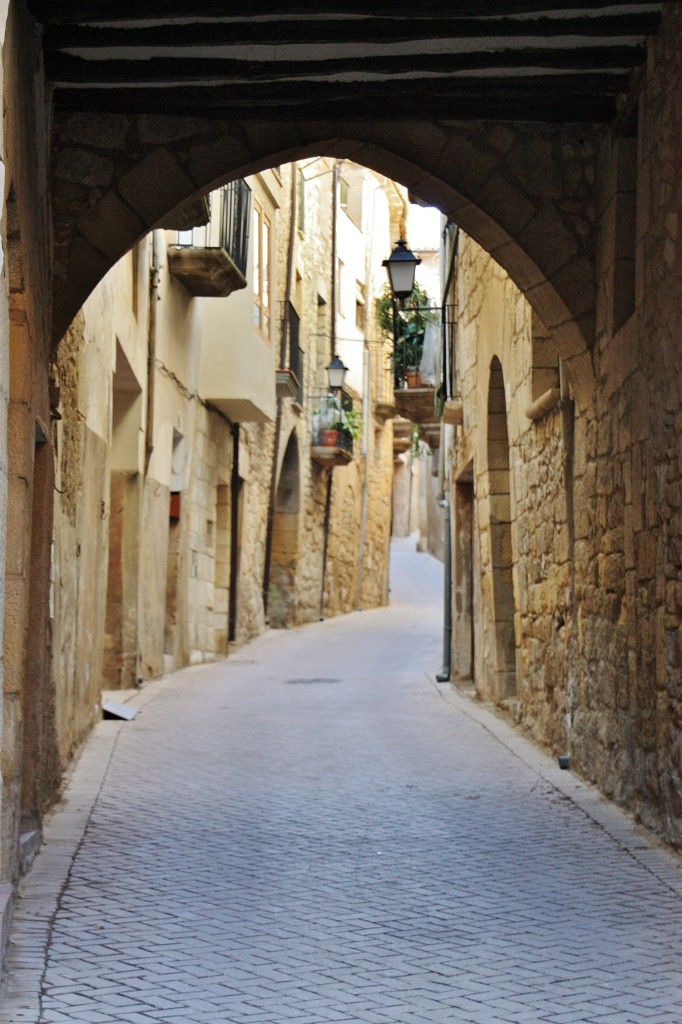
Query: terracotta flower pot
(329,438)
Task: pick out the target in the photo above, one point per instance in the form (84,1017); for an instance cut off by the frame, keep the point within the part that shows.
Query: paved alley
(314,831)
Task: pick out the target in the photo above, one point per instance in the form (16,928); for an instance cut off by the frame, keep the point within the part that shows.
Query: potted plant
(351,423)
(411,324)
(329,421)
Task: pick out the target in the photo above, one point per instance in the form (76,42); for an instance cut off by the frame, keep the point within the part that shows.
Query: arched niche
(501,558)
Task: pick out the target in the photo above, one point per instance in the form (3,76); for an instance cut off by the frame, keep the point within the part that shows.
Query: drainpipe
(325,539)
(366,402)
(285,337)
(327,508)
(366,379)
(335,193)
(154,297)
(234,536)
(445,674)
(567,407)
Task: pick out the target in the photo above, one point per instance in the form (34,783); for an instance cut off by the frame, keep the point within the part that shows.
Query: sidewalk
(316,831)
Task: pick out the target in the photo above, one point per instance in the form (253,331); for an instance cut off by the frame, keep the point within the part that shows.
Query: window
(360,303)
(261,271)
(340,288)
(350,199)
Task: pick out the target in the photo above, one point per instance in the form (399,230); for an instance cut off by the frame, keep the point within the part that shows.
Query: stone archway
(522,191)
(285,539)
(501,557)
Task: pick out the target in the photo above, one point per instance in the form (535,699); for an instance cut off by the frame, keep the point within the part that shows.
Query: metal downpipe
(445,673)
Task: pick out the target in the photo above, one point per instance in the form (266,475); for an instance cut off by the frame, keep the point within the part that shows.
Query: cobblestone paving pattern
(309,833)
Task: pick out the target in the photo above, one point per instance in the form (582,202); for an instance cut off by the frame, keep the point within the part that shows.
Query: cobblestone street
(315,831)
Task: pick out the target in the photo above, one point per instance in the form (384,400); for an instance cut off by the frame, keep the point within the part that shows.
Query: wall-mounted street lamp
(401,266)
(336,374)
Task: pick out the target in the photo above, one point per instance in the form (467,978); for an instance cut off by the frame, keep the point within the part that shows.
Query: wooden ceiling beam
(73,12)
(587,110)
(365,30)
(63,70)
(560,98)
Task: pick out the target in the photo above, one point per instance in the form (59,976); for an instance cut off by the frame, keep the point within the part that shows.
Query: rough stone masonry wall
(496,322)
(27,704)
(628,500)
(211,464)
(597,482)
(311,280)
(80,540)
(255,466)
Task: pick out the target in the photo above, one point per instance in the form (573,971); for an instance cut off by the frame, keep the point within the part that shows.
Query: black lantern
(336,374)
(401,266)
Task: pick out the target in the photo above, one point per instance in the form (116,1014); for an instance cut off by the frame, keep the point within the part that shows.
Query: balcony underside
(402,435)
(329,455)
(415,404)
(207,272)
(240,410)
(384,410)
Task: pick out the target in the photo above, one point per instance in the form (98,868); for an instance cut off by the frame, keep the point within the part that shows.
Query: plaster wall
(237,361)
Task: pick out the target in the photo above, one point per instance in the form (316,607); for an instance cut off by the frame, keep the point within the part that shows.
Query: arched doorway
(501,558)
(285,540)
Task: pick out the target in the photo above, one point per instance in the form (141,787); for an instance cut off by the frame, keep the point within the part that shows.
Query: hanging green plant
(411,324)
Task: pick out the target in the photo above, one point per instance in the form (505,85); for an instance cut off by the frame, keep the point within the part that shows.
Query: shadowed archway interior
(494,120)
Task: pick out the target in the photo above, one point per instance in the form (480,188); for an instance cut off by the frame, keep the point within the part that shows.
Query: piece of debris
(112,709)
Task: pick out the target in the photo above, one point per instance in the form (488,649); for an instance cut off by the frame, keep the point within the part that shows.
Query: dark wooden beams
(530,60)
(61,12)
(64,70)
(493,99)
(371,31)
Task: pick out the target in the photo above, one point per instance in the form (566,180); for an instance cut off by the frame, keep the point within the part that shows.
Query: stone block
(83,167)
(100,130)
(156,186)
(646,548)
(548,240)
(111,226)
(507,203)
(159,129)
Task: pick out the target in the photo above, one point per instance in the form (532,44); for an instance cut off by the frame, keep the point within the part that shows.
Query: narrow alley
(315,830)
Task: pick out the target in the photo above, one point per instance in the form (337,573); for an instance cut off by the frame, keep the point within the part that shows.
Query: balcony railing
(331,443)
(235,217)
(291,370)
(211,260)
(228,227)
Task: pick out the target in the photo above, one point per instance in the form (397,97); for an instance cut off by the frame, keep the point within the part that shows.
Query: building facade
(571,184)
(194,500)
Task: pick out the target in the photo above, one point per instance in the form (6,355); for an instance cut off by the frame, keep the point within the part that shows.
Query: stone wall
(26,467)
(80,537)
(585,510)
(628,531)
